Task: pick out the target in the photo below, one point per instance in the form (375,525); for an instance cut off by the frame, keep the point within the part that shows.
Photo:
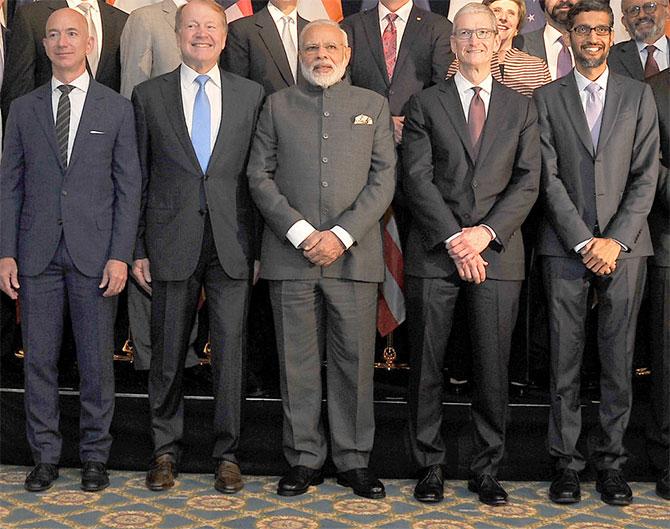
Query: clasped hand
(599,255)
(322,248)
(465,250)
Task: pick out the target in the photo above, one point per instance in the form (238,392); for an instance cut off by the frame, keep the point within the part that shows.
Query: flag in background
(534,16)
(391,303)
(320,9)
(369,4)
(237,9)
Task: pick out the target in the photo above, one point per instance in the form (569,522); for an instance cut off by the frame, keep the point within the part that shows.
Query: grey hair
(323,22)
(477,8)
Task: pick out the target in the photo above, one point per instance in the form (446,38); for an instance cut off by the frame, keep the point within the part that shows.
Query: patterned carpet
(194,504)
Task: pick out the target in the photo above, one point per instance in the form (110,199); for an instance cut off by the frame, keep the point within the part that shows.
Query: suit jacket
(532,43)
(423,57)
(624,59)
(659,218)
(172,223)
(254,50)
(94,203)
(336,168)
(449,189)
(623,170)
(28,66)
(148,45)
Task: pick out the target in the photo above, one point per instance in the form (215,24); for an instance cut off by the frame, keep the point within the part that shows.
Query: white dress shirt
(400,22)
(95,16)
(189,89)
(77,99)
(277,15)
(660,55)
(553,48)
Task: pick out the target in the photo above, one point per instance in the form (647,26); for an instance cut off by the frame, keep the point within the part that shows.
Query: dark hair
(587,6)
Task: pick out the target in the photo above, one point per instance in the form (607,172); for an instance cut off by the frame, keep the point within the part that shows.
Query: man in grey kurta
(321,172)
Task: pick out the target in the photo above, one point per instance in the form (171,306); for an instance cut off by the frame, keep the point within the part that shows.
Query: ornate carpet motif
(194,504)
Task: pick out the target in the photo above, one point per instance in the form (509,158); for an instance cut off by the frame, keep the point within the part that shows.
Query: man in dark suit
(550,43)
(472,169)
(194,130)
(600,149)
(658,270)
(263,47)
(647,51)
(70,207)
(27,65)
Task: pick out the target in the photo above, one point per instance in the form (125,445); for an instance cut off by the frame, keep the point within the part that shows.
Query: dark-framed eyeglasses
(648,7)
(480,33)
(583,30)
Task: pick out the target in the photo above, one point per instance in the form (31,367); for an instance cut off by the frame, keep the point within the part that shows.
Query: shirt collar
(661,44)
(74,4)
(82,82)
(583,82)
(188,75)
(403,12)
(552,33)
(463,85)
(180,3)
(277,14)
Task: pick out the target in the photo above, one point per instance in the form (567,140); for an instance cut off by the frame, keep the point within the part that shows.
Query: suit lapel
(108,37)
(495,118)
(45,117)
(228,110)
(570,95)
(169,10)
(412,29)
(630,58)
(174,109)
(267,31)
(454,110)
(372,31)
(90,115)
(610,111)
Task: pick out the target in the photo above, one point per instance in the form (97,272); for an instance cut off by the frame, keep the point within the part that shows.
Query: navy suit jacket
(94,203)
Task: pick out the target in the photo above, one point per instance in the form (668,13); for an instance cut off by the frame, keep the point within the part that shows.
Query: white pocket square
(96,132)
(362,119)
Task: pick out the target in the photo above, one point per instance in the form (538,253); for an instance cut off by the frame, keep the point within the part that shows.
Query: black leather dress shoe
(663,485)
(94,476)
(363,482)
(565,487)
(613,487)
(489,490)
(41,477)
(298,480)
(430,487)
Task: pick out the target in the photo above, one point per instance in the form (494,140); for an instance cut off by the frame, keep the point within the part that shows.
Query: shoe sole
(428,499)
(229,490)
(94,489)
(40,489)
(493,503)
(564,501)
(290,493)
(377,496)
(615,502)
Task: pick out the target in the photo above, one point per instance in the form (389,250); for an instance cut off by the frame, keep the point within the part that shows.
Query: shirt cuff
(491,231)
(581,245)
(343,235)
(623,246)
(451,238)
(297,233)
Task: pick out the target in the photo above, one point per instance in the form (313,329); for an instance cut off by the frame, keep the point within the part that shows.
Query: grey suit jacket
(148,45)
(336,168)
(532,43)
(448,188)
(172,223)
(94,203)
(624,59)
(624,168)
(423,58)
(254,50)
(659,218)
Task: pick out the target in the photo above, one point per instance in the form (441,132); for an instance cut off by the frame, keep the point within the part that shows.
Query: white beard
(324,80)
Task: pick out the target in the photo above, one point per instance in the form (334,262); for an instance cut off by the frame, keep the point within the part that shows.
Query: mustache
(643,20)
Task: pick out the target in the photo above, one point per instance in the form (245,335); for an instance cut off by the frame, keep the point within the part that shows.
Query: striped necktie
(63,121)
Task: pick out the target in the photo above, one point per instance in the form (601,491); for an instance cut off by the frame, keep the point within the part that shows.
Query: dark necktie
(389,39)
(564,61)
(650,65)
(63,121)
(476,119)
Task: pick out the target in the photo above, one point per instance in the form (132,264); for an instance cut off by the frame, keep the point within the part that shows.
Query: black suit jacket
(624,59)
(659,218)
(27,65)
(171,224)
(532,43)
(448,189)
(254,50)
(423,58)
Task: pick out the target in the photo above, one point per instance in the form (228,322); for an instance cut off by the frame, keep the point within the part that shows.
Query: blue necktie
(201,126)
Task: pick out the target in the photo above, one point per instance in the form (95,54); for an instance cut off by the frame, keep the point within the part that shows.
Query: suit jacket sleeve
(514,204)
(127,185)
(559,207)
(638,196)
(442,55)
(435,219)
(376,195)
(136,54)
(142,131)
(235,57)
(12,170)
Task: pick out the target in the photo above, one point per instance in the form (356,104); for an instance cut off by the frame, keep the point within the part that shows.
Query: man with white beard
(322,188)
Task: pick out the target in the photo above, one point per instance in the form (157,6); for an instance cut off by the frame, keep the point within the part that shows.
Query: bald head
(67,43)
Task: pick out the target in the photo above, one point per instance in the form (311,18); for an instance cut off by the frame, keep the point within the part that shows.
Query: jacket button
(325,136)
(64,193)
(60,222)
(326,114)
(324,159)
(324,184)
(474,183)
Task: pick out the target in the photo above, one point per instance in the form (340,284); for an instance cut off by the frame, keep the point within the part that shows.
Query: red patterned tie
(650,66)
(389,39)
(476,119)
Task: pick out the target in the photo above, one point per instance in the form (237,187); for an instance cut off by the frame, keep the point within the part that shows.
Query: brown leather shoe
(162,473)
(228,477)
